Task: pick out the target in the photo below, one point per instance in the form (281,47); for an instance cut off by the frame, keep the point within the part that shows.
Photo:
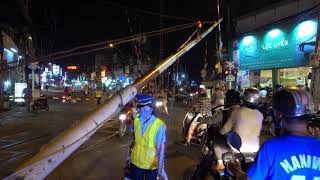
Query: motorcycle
(126,120)
(161,106)
(201,127)
(203,170)
(66,99)
(40,104)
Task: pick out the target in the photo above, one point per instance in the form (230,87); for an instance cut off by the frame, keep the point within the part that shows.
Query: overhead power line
(105,44)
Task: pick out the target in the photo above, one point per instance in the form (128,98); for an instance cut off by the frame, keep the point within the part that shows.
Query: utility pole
(62,146)
(161,39)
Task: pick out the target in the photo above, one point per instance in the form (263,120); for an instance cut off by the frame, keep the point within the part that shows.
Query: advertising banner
(285,46)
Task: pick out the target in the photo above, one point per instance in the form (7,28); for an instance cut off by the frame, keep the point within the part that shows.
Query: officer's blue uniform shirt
(288,157)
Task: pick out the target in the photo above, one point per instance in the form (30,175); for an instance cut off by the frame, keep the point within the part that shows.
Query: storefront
(279,55)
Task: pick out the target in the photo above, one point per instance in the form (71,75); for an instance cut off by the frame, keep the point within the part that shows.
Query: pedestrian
(147,149)
(27,96)
(98,95)
(293,155)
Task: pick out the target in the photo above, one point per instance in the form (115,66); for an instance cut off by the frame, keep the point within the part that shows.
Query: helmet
(293,102)
(218,98)
(278,87)
(202,92)
(232,97)
(251,95)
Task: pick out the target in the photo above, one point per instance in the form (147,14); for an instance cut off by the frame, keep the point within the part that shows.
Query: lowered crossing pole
(56,151)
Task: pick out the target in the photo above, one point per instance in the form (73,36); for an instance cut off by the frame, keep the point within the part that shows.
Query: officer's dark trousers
(143,174)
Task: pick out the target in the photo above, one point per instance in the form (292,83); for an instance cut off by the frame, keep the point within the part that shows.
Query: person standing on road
(27,95)
(98,95)
(293,155)
(148,146)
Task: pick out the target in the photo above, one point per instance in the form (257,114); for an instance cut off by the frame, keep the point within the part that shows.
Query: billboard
(285,46)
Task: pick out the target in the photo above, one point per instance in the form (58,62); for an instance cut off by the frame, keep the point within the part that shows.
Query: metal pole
(56,151)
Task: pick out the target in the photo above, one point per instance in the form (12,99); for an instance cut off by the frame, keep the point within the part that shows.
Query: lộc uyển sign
(286,46)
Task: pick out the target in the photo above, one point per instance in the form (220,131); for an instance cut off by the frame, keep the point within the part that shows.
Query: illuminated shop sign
(285,46)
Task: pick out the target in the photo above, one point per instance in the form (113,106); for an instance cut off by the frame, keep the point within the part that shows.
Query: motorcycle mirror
(234,140)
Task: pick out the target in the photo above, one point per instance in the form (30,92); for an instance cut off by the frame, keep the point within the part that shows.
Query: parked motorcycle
(40,104)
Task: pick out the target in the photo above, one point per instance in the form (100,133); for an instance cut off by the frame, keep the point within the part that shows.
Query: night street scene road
(158,90)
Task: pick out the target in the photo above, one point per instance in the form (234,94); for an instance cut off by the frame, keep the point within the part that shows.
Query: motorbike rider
(294,154)
(247,122)
(202,108)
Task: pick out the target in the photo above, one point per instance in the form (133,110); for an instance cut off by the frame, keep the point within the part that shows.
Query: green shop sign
(286,46)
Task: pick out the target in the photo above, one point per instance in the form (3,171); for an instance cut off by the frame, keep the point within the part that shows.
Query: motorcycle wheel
(35,109)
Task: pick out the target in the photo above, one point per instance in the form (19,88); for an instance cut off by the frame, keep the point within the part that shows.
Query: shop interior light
(247,40)
(274,33)
(306,29)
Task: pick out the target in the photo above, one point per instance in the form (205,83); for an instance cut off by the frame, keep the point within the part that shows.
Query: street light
(111,45)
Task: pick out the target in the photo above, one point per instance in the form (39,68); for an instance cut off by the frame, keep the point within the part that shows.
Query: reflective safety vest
(98,94)
(144,152)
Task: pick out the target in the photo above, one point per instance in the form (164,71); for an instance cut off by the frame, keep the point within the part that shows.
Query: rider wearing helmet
(247,122)
(294,154)
(202,108)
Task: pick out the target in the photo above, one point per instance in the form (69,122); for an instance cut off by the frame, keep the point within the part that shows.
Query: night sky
(62,24)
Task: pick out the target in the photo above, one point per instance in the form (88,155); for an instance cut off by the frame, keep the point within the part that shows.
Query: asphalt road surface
(102,157)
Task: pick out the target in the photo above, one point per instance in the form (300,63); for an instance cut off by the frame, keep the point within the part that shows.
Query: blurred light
(13,50)
(7,83)
(183,75)
(274,33)
(20,57)
(247,40)
(306,28)
(202,86)
(49,64)
(111,45)
(181,89)
(199,24)
(159,103)
(122,117)
(29,37)
(72,67)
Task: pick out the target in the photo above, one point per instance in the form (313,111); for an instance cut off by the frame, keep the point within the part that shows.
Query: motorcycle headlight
(122,117)
(159,103)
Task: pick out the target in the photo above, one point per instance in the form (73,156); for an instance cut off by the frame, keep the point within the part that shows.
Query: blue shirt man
(288,157)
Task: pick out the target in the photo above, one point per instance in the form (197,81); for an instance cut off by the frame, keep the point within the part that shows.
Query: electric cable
(115,40)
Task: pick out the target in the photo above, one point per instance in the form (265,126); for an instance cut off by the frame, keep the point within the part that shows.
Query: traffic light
(227,72)
(235,72)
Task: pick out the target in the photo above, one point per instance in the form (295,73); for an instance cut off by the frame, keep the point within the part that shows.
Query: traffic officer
(148,146)
(98,95)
